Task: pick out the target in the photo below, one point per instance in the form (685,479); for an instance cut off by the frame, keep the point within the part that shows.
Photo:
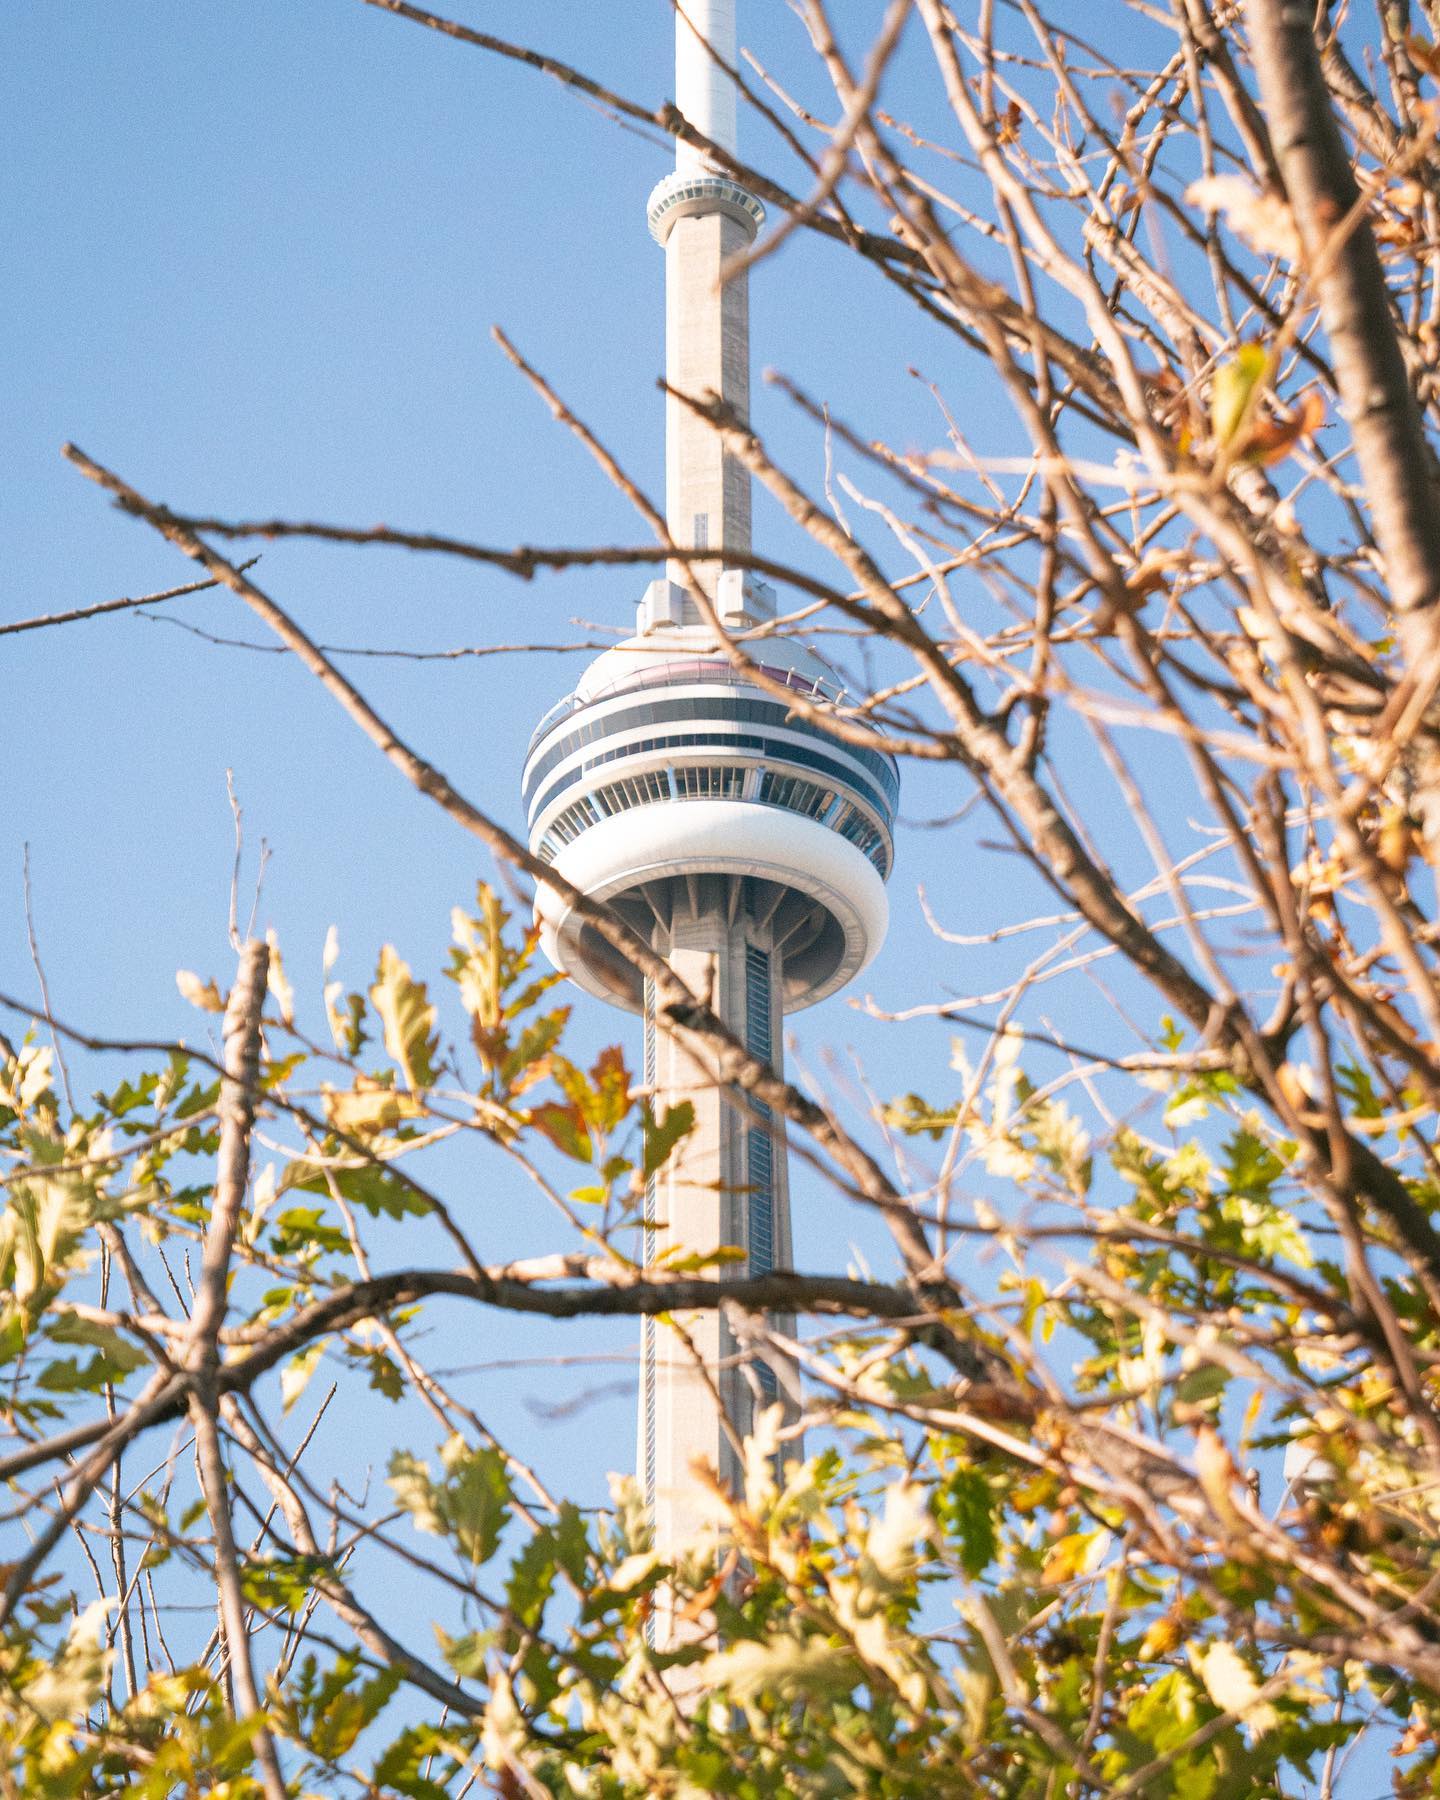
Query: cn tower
(746,843)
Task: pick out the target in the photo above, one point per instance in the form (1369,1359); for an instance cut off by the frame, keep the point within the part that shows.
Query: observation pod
(682,791)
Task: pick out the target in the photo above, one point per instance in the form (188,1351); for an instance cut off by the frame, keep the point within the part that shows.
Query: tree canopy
(1143,1501)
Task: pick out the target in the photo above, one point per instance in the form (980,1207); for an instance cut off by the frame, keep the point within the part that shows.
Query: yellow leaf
(890,1543)
(34,1074)
(1162,1637)
(1077,1553)
(297,1372)
(367,1108)
(278,983)
(1252,1414)
(632,1571)
(781,1667)
(75,1679)
(1234,391)
(1396,841)
(203,994)
(1231,1684)
(408,1017)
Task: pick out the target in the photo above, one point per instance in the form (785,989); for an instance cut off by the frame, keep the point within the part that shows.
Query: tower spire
(704,219)
(704,91)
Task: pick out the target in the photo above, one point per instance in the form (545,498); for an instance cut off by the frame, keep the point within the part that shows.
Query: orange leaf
(700,1603)
(1423,53)
(565,1127)
(1218,1474)
(1268,440)
(611,1081)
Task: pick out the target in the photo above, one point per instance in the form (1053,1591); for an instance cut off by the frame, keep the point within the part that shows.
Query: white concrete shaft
(704,93)
(707,351)
(700,1202)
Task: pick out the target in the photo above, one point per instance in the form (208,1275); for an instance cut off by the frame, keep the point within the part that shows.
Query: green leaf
(477,1498)
(535,1043)
(1358,1088)
(349,1713)
(380,1191)
(1251,1166)
(465,1655)
(966,1509)
(915,1117)
(281,1584)
(478,960)
(403,1765)
(347,1028)
(661,1137)
(572,1542)
(488,966)
(385,1375)
(129,1097)
(113,1361)
(68,1376)
(532,1581)
(304,1230)
(1202,1384)
(1165,1714)
(469,1506)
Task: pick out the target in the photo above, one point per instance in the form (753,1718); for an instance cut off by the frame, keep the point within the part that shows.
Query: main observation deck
(674,779)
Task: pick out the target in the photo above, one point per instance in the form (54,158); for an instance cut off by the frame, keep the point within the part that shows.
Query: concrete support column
(706,1197)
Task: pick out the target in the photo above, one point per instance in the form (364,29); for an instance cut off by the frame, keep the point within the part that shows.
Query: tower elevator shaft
(727,1184)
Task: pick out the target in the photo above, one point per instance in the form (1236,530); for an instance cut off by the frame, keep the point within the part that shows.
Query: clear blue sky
(256,253)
